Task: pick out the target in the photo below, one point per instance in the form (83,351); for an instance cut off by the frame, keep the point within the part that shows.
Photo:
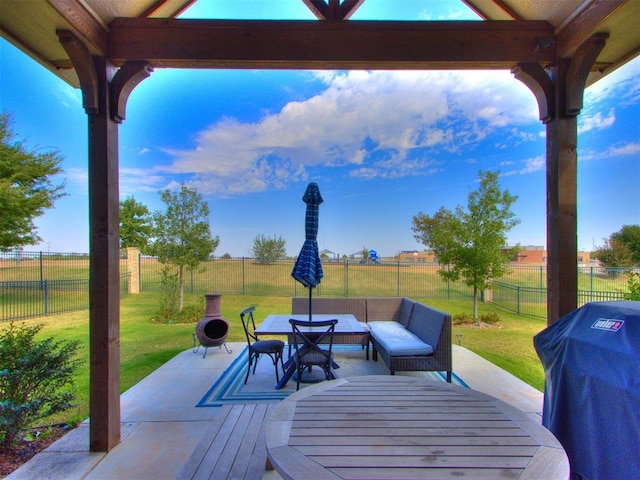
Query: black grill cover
(591,359)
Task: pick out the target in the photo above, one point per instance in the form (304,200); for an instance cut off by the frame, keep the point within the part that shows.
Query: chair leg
(248,368)
(255,365)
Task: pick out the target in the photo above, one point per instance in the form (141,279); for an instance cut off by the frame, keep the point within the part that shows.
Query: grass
(145,346)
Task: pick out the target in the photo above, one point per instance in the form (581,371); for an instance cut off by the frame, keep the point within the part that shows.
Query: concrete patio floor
(161,425)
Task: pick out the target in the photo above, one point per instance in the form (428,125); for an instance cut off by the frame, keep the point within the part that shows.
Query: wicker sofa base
(411,363)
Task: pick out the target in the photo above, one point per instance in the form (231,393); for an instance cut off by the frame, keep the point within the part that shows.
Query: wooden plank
(416,432)
(233,443)
(453,424)
(217,444)
(195,459)
(363,473)
(411,441)
(257,462)
(190,43)
(420,461)
(247,448)
(421,450)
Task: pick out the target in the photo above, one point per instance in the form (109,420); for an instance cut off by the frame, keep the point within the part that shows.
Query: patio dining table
(279,325)
(402,427)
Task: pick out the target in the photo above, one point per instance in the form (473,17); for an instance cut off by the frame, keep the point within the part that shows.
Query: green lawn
(146,345)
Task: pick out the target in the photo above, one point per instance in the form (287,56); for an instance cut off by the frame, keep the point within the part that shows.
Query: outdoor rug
(260,388)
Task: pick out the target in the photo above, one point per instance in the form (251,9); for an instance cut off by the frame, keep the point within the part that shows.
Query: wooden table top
(279,324)
(407,427)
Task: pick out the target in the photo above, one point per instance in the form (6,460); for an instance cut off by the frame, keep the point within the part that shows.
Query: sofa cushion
(397,340)
(427,323)
(406,309)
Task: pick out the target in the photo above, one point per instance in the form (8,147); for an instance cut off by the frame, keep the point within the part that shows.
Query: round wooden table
(407,427)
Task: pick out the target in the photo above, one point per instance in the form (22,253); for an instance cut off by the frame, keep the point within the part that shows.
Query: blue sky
(381,145)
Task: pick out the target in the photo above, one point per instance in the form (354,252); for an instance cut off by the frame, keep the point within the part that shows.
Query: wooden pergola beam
(179,43)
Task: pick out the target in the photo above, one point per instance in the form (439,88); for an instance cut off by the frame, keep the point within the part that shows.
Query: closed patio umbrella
(308,268)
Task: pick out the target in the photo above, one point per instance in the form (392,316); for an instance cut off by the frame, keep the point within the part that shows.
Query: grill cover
(591,359)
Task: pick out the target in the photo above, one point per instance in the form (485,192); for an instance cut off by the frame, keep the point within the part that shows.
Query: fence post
(346,278)
(398,289)
(45,292)
(243,279)
(133,267)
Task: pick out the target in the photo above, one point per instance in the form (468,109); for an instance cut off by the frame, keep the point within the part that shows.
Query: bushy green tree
(36,379)
(471,243)
(268,249)
(26,189)
(621,249)
(135,224)
(181,235)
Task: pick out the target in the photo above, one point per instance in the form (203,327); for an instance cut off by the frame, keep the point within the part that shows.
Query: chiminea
(212,329)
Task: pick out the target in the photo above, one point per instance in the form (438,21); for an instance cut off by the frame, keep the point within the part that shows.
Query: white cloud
(357,119)
(531,165)
(624,150)
(596,121)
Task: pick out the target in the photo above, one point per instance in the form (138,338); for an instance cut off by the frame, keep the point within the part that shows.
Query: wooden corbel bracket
(537,79)
(85,68)
(124,81)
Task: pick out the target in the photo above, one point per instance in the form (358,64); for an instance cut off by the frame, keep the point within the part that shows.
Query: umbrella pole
(310,289)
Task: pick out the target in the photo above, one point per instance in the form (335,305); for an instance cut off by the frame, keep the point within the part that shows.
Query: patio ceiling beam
(180,43)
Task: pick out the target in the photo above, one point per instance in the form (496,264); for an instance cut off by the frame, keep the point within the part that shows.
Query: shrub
(462,319)
(490,318)
(36,379)
(169,301)
(633,284)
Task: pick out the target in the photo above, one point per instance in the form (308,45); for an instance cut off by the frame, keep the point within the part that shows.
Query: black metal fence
(33,284)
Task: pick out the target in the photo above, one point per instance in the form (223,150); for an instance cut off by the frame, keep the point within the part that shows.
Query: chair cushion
(268,346)
(397,340)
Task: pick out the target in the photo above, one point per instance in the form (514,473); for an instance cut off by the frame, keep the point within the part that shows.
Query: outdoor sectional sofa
(408,335)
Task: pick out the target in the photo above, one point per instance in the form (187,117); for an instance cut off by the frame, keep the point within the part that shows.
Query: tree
(471,243)
(614,254)
(268,249)
(181,235)
(629,235)
(135,224)
(26,189)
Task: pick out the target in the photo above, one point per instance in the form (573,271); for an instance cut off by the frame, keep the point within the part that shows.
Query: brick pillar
(133,268)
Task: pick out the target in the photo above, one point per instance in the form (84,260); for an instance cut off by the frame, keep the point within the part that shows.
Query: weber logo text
(611,325)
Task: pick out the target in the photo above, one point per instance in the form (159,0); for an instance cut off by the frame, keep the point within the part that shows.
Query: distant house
(414,256)
(328,253)
(530,254)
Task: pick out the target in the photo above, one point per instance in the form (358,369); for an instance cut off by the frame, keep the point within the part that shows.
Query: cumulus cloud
(372,124)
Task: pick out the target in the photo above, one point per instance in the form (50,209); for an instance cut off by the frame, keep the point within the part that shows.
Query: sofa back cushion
(397,309)
(353,305)
(427,323)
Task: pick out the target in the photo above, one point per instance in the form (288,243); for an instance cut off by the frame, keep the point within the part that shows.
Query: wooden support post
(562,217)
(104,277)
(104,101)
(559,92)
(104,284)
